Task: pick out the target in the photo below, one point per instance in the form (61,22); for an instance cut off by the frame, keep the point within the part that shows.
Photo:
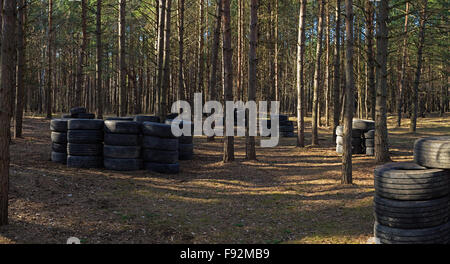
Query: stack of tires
(286,127)
(143,118)
(185,143)
(367,128)
(79,112)
(160,148)
(369,142)
(412,199)
(122,145)
(85,143)
(357,147)
(59,140)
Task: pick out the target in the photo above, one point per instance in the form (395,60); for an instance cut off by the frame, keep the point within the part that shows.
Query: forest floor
(289,195)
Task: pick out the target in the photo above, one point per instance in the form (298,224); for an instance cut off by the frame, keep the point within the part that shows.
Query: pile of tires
(286,127)
(58,129)
(411,203)
(360,128)
(79,112)
(369,142)
(122,145)
(185,143)
(85,143)
(160,148)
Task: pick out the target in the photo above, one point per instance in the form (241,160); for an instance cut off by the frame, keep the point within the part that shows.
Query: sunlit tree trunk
(300,76)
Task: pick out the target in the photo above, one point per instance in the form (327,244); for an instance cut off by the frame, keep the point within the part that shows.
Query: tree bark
(122,63)
(381,133)
(370,59)
(50,60)
(180,93)
(300,76)
(166,74)
(317,75)
(160,49)
(201,46)
(336,68)
(20,91)
(99,65)
(403,70)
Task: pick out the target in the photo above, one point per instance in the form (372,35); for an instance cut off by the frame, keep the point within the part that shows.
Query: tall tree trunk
(122,63)
(6,88)
(327,65)
(180,92)
(252,74)
(228,155)
(300,76)
(415,97)
(20,70)
(239,51)
(336,68)
(370,59)
(160,50)
(166,74)
(50,60)
(275,61)
(349,96)
(201,46)
(317,75)
(81,59)
(403,70)
(99,65)
(381,133)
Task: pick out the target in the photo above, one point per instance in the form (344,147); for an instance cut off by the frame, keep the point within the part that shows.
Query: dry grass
(289,195)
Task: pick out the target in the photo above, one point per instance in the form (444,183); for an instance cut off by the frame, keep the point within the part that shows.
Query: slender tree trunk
(252,74)
(99,65)
(20,91)
(317,75)
(370,59)
(180,94)
(122,63)
(228,155)
(166,74)
(275,61)
(336,68)
(300,76)
(415,97)
(50,60)
(403,70)
(6,88)
(239,51)
(381,133)
(160,49)
(327,65)
(201,46)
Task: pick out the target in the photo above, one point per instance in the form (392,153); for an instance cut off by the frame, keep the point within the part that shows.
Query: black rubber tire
(163,168)
(168,144)
(85,136)
(160,156)
(58,125)
(170,116)
(355,141)
(85,124)
(186,147)
(188,155)
(143,118)
(287,134)
(433,235)
(85,162)
(60,148)
(369,134)
(59,137)
(356,133)
(364,125)
(122,139)
(370,151)
(123,164)
(66,116)
(186,139)
(411,214)
(433,152)
(121,152)
(77,110)
(157,130)
(369,143)
(122,127)
(84,116)
(84,149)
(119,119)
(286,128)
(408,181)
(355,149)
(59,157)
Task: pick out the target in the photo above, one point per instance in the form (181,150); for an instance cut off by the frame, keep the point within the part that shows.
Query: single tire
(142,119)
(58,125)
(77,110)
(370,151)
(369,134)
(60,148)
(168,144)
(119,119)
(411,214)
(364,125)
(121,152)
(433,152)
(408,181)
(433,235)
(59,137)
(356,133)
(85,136)
(85,124)
(286,128)
(123,164)
(160,156)
(157,130)
(85,162)
(355,141)
(84,116)
(84,149)
(122,139)
(59,157)
(122,127)
(186,139)
(369,143)
(162,168)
